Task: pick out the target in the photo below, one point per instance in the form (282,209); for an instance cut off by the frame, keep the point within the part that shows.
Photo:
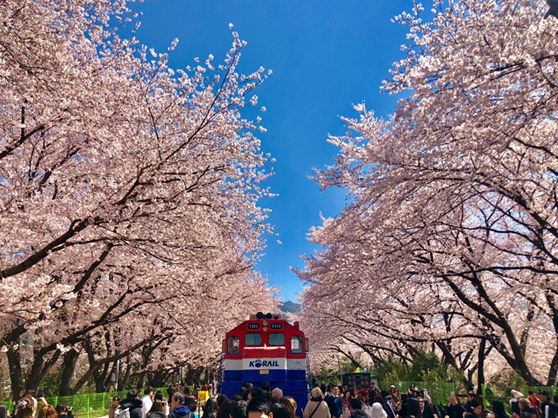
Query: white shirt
(146,407)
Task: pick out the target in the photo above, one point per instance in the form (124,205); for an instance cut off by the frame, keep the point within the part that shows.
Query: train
(266,348)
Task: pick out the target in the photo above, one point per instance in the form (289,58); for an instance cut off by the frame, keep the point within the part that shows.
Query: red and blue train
(266,348)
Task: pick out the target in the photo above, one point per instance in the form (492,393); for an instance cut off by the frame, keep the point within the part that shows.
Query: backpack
(122,413)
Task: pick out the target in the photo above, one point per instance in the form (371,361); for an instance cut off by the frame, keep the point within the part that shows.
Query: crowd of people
(324,402)
(343,402)
(250,402)
(28,406)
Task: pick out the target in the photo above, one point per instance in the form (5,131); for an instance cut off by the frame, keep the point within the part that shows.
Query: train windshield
(296,344)
(233,345)
(276,339)
(253,339)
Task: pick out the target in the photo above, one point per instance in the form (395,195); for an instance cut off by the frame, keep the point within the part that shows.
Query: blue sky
(325,55)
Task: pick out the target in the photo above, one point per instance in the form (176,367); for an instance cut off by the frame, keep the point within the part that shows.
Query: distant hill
(290,307)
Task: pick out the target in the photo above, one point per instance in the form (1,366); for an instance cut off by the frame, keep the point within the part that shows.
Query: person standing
(157,410)
(362,394)
(133,404)
(355,407)
(258,407)
(146,401)
(394,393)
(389,406)
(514,403)
(178,407)
(316,407)
(532,398)
(115,405)
(455,409)
(335,403)
(546,408)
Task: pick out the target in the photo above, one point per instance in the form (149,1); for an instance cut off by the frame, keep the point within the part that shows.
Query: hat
(363,392)
(516,394)
(316,393)
(392,386)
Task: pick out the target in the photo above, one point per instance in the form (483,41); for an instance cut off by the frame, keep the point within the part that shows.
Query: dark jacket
(427,412)
(181,411)
(438,410)
(455,411)
(389,410)
(409,406)
(547,409)
(133,405)
(335,405)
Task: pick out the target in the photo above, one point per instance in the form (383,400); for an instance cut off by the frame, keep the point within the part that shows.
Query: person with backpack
(131,407)
(546,408)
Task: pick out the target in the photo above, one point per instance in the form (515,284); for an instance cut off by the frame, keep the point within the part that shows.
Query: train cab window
(296,344)
(253,339)
(276,339)
(233,345)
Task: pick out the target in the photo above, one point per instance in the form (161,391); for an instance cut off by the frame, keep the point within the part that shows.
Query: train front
(266,348)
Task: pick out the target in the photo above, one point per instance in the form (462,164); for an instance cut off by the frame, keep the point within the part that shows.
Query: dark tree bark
(14,363)
(126,377)
(480,373)
(552,379)
(70,360)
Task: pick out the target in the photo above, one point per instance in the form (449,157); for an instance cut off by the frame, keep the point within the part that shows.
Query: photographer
(455,409)
(408,406)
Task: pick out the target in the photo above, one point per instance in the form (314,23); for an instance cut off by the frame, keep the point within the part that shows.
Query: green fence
(91,405)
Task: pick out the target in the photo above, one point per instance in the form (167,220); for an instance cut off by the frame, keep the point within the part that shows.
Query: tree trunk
(101,378)
(14,363)
(34,377)
(124,381)
(553,371)
(109,377)
(83,379)
(70,360)
(480,371)
(141,381)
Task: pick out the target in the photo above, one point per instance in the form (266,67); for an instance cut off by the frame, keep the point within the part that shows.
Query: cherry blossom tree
(453,209)
(128,189)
